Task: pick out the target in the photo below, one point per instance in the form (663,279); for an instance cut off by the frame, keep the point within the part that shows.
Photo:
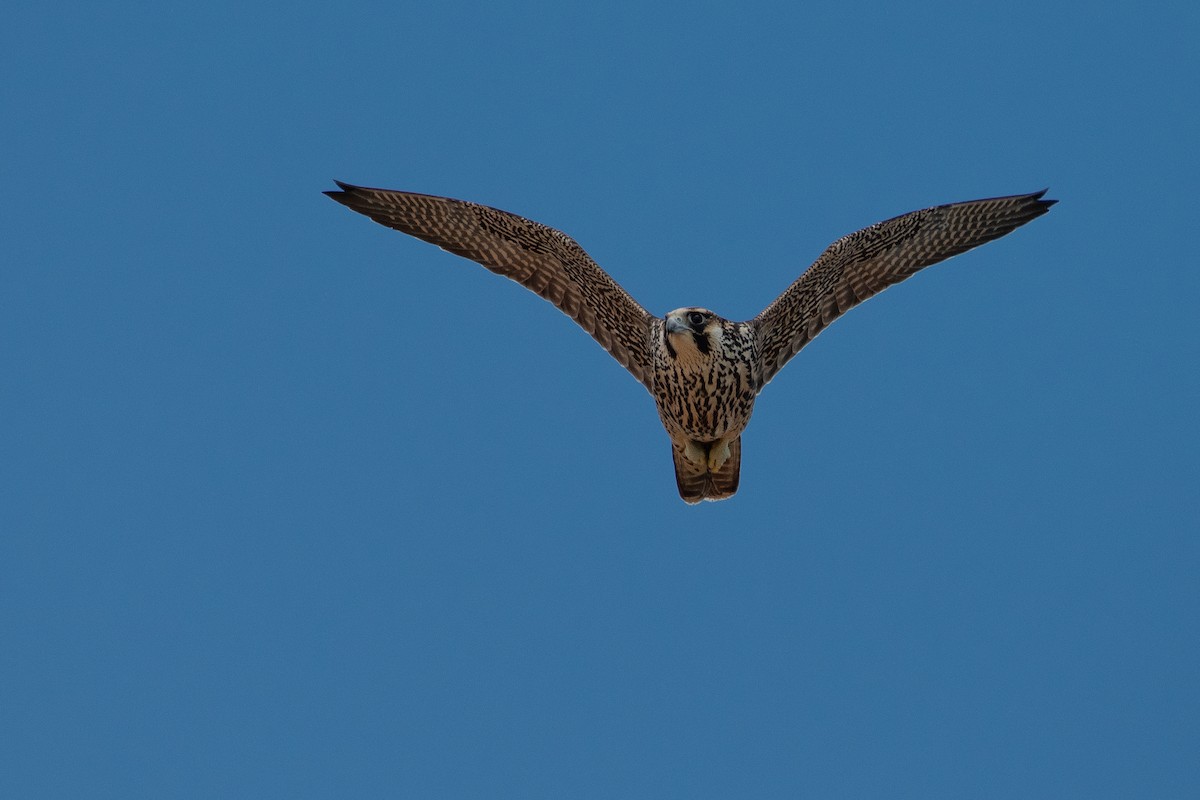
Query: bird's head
(692,332)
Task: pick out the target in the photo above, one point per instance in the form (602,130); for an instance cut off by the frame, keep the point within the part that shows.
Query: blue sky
(296,506)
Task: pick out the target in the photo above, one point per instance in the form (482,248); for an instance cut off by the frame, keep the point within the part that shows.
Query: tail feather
(696,483)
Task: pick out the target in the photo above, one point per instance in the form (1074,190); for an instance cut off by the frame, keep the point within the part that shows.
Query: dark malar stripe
(701,342)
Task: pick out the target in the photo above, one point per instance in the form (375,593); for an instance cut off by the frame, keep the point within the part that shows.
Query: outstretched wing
(541,259)
(865,263)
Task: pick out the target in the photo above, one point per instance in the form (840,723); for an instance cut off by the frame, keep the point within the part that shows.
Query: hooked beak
(675,326)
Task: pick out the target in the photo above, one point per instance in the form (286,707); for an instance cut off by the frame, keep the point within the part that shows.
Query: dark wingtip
(1043,205)
(342,196)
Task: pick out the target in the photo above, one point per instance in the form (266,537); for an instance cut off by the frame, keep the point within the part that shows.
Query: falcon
(703,371)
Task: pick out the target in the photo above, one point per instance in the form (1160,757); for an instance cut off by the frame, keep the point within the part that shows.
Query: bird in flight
(703,370)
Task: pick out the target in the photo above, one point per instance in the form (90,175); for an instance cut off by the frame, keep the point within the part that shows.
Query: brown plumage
(703,371)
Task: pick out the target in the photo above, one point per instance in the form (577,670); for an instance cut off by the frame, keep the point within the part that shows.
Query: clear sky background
(296,506)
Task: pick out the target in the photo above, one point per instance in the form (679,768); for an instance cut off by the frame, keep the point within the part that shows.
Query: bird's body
(703,371)
(706,376)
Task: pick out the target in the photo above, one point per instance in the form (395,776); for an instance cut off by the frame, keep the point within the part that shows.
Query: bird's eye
(695,317)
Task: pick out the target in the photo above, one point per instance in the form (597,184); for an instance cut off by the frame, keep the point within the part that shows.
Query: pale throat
(688,355)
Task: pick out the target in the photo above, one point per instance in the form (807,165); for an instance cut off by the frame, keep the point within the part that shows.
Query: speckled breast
(705,405)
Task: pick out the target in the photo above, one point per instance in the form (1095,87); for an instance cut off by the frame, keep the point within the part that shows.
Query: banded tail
(696,483)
